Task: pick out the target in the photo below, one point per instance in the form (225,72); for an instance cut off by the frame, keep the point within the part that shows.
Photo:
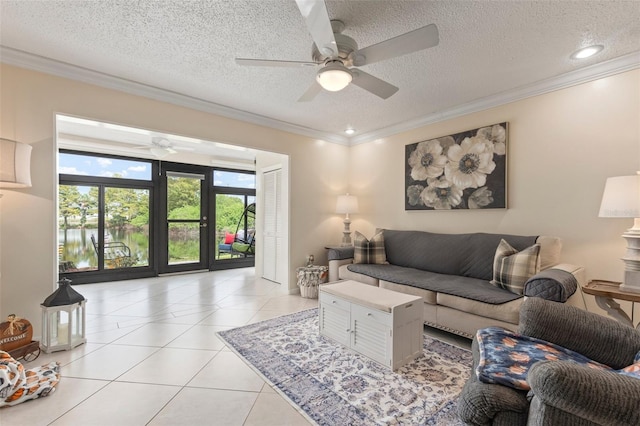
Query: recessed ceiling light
(350,131)
(587,51)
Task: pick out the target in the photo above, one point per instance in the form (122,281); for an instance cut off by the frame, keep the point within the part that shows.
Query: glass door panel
(235,229)
(77,222)
(186,219)
(126,227)
(184,201)
(120,234)
(105,217)
(184,242)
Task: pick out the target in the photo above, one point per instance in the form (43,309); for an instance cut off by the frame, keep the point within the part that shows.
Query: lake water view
(76,246)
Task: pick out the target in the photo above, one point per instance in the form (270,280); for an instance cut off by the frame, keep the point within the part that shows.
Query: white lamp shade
(347,204)
(621,197)
(334,77)
(15,164)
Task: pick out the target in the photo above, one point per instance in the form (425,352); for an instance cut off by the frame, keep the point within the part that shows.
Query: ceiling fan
(161,147)
(338,54)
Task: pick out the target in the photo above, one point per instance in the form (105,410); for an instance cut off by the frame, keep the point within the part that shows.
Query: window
(93,165)
(235,197)
(104,213)
(231,179)
(77,221)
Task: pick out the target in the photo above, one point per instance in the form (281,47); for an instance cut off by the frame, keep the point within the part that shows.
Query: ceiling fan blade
(315,14)
(372,84)
(274,63)
(413,41)
(182,148)
(311,92)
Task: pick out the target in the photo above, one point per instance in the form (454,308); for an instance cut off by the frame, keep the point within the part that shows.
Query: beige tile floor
(152,356)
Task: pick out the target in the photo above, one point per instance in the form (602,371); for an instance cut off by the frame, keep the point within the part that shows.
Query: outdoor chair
(115,252)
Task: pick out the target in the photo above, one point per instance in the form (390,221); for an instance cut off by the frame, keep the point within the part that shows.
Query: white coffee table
(381,324)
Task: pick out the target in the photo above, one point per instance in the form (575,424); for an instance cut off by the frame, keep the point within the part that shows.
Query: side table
(605,292)
(309,278)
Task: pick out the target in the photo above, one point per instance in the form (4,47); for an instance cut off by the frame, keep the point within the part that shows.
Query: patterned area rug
(332,385)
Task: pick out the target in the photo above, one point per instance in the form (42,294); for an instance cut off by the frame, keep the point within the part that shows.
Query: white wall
(562,147)
(29,100)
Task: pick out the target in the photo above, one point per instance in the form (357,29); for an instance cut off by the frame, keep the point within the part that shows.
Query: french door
(184,213)
(233,203)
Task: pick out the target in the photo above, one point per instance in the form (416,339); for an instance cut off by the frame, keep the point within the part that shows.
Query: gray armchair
(562,393)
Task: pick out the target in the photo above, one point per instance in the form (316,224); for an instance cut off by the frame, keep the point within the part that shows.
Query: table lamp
(621,198)
(346,204)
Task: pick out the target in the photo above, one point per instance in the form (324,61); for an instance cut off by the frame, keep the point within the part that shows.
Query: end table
(605,292)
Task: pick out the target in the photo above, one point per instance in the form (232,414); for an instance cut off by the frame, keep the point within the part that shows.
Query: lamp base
(631,260)
(346,234)
(631,282)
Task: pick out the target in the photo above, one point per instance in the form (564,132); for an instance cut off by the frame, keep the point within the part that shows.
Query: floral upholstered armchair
(562,392)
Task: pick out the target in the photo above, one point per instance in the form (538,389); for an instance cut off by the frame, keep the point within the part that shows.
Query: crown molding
(62,69)
(573,78)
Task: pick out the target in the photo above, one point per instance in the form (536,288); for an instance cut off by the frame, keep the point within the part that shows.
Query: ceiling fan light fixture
(334,77)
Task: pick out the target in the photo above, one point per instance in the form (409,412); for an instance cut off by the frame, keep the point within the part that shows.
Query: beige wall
(29,101)
(562,147)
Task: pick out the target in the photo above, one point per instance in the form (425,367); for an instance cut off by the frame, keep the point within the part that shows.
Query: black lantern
(63,319)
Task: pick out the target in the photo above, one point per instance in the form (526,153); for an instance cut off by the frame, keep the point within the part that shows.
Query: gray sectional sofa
(452,273)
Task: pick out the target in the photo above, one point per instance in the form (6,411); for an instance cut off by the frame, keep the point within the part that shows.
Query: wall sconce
(621,198)
(15,164)
(346,204)
(63,319)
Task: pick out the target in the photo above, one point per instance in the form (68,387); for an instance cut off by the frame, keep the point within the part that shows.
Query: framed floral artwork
(467,170)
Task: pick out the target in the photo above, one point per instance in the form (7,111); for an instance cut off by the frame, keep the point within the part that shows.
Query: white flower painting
(462,171)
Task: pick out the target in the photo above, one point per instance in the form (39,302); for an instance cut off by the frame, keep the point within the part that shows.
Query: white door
(272,253)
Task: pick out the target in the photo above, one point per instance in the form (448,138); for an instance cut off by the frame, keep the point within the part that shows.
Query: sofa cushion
(345,274)
(470,288)
(550,248)
(369,251)
(428,296)
(467,255)
(508,312)
(512,268)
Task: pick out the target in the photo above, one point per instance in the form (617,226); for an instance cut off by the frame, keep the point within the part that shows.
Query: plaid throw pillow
(512,269)
(369,251)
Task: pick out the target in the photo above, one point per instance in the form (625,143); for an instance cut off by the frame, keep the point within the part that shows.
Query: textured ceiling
(188,47)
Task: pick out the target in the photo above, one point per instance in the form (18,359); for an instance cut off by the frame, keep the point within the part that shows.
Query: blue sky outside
(87,165)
